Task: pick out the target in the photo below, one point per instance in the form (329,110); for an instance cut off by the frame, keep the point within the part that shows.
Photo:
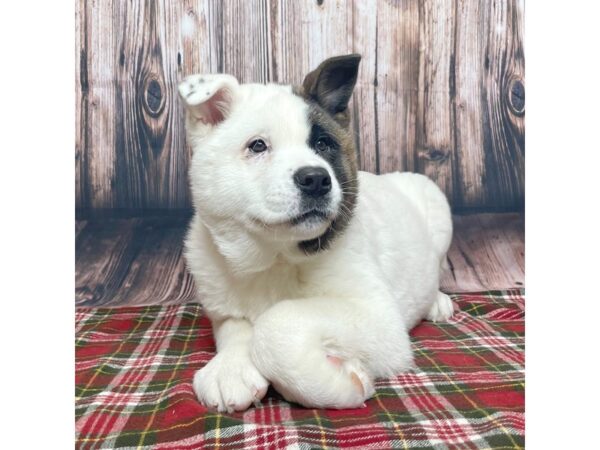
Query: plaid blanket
(134,368)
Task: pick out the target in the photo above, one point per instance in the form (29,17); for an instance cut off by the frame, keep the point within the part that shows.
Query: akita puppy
(311,272)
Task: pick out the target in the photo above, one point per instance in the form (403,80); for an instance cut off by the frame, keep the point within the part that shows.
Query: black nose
(313,181)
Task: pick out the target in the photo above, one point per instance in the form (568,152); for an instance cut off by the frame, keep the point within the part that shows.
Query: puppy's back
(426,197)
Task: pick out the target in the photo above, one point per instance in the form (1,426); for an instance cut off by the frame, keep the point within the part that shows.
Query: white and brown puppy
(311,272)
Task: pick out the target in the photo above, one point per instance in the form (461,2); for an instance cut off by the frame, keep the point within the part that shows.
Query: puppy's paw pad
(442,309)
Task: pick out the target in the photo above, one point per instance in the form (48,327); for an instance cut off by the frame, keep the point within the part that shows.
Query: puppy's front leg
(230,381)
(326,352)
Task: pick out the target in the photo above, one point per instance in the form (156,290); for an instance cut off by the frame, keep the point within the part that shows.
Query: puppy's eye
(257,146)
(323,144)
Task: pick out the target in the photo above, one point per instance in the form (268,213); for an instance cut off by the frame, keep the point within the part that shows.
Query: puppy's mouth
(309,218)
(314,215)
(305,218)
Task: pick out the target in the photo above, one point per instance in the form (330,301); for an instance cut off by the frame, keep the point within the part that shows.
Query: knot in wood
(435,154)
(154,99)
(516,97)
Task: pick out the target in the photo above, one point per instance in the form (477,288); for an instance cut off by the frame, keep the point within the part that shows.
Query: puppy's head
(279,160)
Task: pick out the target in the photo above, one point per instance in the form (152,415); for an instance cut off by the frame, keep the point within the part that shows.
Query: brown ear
(208,100)
(331,84)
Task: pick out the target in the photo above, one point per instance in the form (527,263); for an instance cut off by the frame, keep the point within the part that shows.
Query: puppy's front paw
(229,382)
(442,309)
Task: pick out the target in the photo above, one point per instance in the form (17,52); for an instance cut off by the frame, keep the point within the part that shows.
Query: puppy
(311,272)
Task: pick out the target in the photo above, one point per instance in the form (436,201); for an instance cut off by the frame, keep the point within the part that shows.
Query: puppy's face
(278,160)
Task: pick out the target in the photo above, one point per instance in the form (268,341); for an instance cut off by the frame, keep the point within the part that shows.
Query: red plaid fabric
(134,369)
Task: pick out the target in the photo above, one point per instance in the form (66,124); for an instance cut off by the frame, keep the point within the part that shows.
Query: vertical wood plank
(246,41)
(308,32)
(81,101)
(471,20)
(364,108)
(489,137)
(139,122)
(397,80)
(505,147)
(199,33)
(435,111)
(102,19)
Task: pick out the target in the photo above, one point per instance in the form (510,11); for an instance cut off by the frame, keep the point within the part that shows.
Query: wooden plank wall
(440,89)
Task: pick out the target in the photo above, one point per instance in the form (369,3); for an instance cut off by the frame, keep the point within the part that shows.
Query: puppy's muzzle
(313,181)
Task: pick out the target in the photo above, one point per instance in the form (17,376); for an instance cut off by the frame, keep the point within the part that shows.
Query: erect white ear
(208,100)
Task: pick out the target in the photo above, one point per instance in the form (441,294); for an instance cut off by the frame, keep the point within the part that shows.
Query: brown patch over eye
(322,145)
(320,140)
(335,144)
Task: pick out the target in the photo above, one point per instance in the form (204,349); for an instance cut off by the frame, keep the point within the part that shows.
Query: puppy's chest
(256,293)
(251,295)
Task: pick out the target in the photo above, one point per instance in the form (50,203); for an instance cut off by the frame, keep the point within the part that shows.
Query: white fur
(321,327)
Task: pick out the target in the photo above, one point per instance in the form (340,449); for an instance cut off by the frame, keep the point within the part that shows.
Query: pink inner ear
(214,110)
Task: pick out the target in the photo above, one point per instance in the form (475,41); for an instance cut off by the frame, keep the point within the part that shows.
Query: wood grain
(306,33)
(487,252)
(247,41)
(435,105)
(81,104)
(440,90)
(364,100)
(139,261)
(397,81)
(505,163)
(489,135)
(132,262)
(98,70)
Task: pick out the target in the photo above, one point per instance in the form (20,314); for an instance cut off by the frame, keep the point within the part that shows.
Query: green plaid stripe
(134,368)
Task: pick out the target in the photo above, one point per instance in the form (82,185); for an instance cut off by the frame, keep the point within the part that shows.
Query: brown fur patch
(344,162)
